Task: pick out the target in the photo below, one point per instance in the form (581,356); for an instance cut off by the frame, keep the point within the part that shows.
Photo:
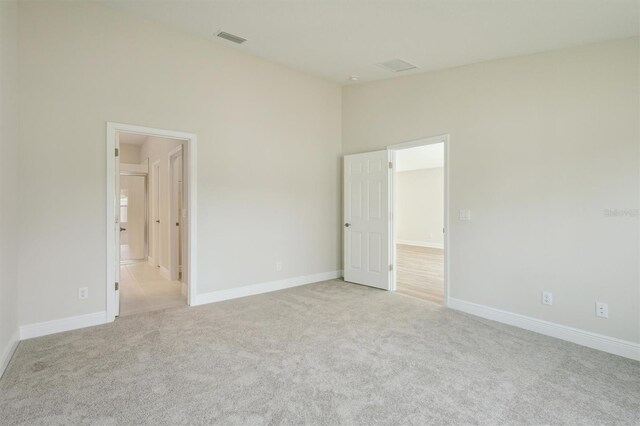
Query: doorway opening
(418,221)
(150,251)
(377,251)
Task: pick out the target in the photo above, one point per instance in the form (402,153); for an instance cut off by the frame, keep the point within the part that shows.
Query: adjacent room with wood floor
(283,212)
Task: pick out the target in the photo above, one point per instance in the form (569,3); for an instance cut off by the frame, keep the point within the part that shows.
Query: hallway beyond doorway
(144,289)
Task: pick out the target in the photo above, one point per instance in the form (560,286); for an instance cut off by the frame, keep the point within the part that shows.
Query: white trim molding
(65,324)
(250,290)
(581,337)
(421,244)
(8,352)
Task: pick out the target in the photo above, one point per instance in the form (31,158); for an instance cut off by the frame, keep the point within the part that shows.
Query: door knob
(158,221)
(346,225)
(122,229)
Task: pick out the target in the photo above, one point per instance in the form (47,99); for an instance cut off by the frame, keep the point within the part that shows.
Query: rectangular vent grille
(231,37)
(397,65)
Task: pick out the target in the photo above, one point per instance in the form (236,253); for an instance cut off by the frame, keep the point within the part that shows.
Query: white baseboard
(8,351)
(581,337)
(250,290)
(150,261)
(60,325)
(421,244)
(165,273)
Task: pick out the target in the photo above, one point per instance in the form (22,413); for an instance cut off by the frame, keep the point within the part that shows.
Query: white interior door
(175,210)
(117,228)
(155,208)
(367,257)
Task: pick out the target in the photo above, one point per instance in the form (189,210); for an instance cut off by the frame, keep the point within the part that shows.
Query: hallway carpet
(325,353)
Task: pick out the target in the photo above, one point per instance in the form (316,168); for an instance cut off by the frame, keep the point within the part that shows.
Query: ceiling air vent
(397,65)
(231,37)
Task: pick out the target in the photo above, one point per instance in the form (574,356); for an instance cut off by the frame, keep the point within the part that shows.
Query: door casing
(112,226)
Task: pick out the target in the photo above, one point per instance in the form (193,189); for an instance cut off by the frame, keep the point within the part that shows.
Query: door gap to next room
(395,219)
(418,221)
(151,241)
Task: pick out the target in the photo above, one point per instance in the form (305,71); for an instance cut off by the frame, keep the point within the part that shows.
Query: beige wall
(9,242)
(420,207)
(268,152)
(540,146)
(129,153)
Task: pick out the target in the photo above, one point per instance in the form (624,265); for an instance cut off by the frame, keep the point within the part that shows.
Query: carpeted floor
(326,353)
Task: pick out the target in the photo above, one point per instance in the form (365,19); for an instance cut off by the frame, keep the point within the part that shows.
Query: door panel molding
(366,219)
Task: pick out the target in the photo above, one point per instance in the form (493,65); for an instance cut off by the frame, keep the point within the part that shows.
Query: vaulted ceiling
(336,39)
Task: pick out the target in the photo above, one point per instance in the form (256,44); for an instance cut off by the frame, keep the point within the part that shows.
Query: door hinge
(117,286)
(390,165)
(117,152)
(390,267)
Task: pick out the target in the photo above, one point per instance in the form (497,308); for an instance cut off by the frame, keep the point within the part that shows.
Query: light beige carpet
(326,353)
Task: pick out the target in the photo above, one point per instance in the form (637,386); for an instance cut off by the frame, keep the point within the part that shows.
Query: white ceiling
(132,138)
(421,157)
(338,38)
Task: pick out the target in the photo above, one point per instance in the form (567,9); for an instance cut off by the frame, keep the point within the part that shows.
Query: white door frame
(392,193)
(174,244)
(112,200)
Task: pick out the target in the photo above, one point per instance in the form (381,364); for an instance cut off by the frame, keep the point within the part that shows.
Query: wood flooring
(420,272)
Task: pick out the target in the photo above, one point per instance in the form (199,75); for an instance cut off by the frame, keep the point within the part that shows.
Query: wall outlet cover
(602,310)
(83,293)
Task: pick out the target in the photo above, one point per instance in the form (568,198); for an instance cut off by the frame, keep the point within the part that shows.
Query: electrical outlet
(83,293)
(602,310)
(547,298)
(278,266)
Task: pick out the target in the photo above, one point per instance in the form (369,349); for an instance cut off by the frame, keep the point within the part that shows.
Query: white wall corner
(8,351)
(65,324)
(600,342)
(250,290)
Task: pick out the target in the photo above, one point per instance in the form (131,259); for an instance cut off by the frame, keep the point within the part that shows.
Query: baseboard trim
(250,290)
(421,244)
(150,261)
(581,337)
(9,351)
(165,273)
(65,324)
